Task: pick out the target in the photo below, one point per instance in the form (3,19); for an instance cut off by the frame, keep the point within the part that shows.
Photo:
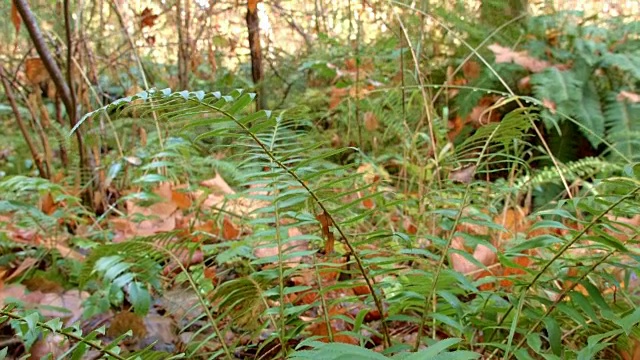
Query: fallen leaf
(461,264)
(181,199)
(471,70)
(549,104)
(26,264)
(147,18)
(35,71)
(187,258)
(483,113)
(47,204)
(338,327)
(632,352)
(627,95)
(370,121)
(336,96)
(522,58)
(229,230)
(218,185)
(409,226)
(464,174)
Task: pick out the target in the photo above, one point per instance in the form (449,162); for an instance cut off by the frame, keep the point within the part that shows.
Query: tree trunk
(257,73)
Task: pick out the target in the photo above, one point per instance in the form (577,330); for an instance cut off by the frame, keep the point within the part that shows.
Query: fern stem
(347,242)
(432,296)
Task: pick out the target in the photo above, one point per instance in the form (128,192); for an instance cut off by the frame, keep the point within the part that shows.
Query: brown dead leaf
(218,185)
(211,274)
(229,230)
(338,327)
(161,216)
(522,261)
(370,121)
(15,17)
(26,264)
(483,113)
(187,258)
(367,203)
(147,18)
(181,199)
(461,264)
(629,96)
(524,84)
(47,204)
(409,226)
(633,350)
(471,70)
(464,174)
(522,58)
(549,104)
(336,96)
(35,71)
(455,126)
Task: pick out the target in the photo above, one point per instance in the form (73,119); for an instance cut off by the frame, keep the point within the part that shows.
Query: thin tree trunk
(257,74)
(56,75)
(183,44)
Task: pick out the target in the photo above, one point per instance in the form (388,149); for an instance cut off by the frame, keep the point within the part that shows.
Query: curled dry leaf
(484,113)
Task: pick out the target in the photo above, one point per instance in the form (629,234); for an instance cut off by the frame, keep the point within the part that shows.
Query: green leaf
(336,351)
(589,114)
(114,170)
(433,350)
(241,103)
(150,178)
(140,298)
(554,335)
(584,304)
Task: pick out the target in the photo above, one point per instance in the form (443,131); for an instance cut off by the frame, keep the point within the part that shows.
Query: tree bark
(61,85)
(257,74)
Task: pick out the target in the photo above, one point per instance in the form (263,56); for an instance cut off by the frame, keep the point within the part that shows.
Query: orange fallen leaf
(229,230)
(35,70)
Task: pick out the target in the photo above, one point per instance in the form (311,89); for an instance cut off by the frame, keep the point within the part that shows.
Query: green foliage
(590,65)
